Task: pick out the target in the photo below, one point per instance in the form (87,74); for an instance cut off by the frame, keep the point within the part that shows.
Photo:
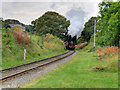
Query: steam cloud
(76,16)
(77,13)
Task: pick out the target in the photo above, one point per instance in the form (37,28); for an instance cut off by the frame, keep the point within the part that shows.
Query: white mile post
(24,54)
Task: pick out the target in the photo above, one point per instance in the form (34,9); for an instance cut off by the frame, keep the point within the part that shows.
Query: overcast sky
(77,11)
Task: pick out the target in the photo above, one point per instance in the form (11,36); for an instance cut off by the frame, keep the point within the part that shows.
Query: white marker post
(24,54)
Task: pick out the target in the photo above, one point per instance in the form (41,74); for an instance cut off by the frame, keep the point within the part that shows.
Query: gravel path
(14,83)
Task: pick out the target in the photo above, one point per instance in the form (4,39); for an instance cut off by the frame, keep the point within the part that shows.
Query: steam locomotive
(70,45)
(70,42)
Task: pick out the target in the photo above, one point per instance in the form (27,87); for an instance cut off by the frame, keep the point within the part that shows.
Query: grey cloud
(53,5)
(24,11)
(27,11)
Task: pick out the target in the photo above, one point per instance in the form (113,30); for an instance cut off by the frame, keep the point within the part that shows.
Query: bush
(20,37)
(107,51)
(109,57)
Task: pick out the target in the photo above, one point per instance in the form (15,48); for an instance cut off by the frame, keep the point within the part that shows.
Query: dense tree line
(28,28)
(11,21)
(50,22)
(88,30)
(108,22)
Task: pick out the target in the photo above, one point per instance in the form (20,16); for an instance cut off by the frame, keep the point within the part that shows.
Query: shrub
(20,37)
(107,51)
(109,59)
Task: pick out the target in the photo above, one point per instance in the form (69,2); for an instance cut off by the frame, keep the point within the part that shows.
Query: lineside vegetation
(38,47)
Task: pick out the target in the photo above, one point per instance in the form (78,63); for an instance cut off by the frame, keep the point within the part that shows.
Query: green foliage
(53,23)
(11,21)
(80,40)
(38,48)
(29,28)
(87,31)
(108,24)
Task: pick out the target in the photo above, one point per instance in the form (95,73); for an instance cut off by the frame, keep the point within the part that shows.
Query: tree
(53,23)
(33,25)
(29,28)
(88,29)
(108,24)
(11,21)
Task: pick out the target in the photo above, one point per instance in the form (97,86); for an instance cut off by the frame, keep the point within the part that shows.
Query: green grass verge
(119,79)
(77,73)
(19,62)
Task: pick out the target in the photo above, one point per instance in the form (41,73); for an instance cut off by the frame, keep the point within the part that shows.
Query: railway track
(10,73)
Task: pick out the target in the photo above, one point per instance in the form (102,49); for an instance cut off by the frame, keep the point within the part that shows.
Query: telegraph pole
(94,31)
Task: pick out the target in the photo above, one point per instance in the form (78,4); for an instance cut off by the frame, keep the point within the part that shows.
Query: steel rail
(31,63)
(58,57)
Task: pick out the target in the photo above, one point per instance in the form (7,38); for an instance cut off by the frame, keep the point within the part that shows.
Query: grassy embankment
(37,47)
(81,72)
